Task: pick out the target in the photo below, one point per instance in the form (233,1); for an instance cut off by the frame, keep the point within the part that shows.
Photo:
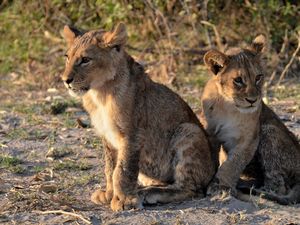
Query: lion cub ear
(215,61)
(116,37)
(70,33)
(259,44)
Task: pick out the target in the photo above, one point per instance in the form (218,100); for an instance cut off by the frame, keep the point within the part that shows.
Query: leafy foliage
(160,32)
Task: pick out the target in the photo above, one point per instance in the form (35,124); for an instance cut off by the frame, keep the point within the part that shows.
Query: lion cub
(235,117)
(148,131)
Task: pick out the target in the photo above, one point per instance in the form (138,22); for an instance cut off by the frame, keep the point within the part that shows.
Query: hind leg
(144,181)
(193,167)
(274,181)
(277,158)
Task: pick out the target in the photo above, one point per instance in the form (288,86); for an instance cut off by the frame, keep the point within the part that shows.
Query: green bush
(31,43)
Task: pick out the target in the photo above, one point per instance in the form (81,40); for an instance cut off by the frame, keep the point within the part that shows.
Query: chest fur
(228,125)
(103,118)
(103,122)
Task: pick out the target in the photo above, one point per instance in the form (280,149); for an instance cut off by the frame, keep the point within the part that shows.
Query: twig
(218,39)
(81,123)
(166,50)
(52,38)
(282,50)
(185,6)
(290,62)
(154,16)
(65,213)
(285,42)
(205,18)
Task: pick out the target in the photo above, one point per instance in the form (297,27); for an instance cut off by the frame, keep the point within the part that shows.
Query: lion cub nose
(251,101)
(69,81)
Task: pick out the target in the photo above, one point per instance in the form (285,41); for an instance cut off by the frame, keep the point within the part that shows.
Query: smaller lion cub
(235,117)
(149,133)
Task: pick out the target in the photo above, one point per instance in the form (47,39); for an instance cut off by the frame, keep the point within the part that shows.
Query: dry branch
(290,62)
(217,34)
(282,50)
(174,51)
(65,213)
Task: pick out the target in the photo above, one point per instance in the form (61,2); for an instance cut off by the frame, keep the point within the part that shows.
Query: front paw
(220,192)
(102,197)
(126,203)
(213,188)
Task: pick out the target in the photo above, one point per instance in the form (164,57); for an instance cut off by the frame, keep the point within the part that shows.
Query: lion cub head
(92,58)
(239,74)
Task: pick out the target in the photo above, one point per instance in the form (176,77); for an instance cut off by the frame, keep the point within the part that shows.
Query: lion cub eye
(238,81)
(258,78)
(85,60)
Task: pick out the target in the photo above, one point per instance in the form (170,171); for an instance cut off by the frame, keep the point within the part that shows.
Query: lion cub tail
(293,197)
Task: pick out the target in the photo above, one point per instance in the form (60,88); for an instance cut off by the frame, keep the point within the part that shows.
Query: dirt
(58,164)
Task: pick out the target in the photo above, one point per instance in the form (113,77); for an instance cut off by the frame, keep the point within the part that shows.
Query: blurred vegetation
(11,163)
(169,37)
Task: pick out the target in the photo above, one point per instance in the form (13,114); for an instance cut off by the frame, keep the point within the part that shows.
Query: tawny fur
(146,127)
(236,118)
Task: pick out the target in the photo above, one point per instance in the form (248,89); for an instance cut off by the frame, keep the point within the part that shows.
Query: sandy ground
(59,164)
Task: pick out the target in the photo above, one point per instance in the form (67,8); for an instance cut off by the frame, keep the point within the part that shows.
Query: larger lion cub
(148,131)
(235,117)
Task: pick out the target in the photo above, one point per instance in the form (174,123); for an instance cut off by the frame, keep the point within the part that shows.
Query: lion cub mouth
(78,92)
(247,109)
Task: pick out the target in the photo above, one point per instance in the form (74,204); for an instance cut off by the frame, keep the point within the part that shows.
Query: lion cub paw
(126,203)
(221,196)
(220,192)
(101,197)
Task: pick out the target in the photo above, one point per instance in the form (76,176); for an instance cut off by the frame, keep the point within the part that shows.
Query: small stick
(218,38)
(290,62)
(82,124)
(65,213)
(282,50)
